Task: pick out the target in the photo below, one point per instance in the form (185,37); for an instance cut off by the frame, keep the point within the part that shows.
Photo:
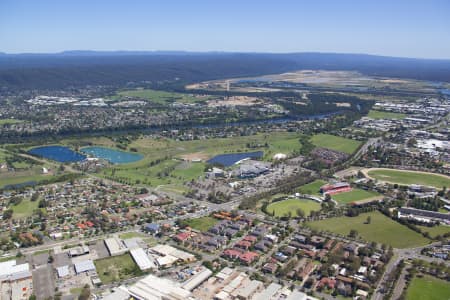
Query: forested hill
(80,68)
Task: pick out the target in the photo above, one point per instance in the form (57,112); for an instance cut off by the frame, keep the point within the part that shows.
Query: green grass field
(171,173)
(335,143)
(116,268)
(354,195)
(160,97)
(282,208)
(381,229)
(24,209)
(377,114)
(312,188)
(410,177)
(435,230)
(428,288)
(9,121)
(201,224)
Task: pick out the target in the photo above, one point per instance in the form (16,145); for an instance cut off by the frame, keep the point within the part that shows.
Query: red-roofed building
(89,224)
(231,253)
(250,238)
(81,226)
(182,236)
(248,257)
(243,244)
(327,282)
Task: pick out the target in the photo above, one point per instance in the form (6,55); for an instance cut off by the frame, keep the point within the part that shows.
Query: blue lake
(232,158)
(58,153)
(112,155)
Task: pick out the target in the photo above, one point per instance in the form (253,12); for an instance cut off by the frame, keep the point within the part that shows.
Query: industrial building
(16,282)
(142,260)
(115,246)
(84,266)
(197,279)
(152,287)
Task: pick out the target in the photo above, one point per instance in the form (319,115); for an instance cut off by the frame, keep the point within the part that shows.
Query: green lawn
(130,235)
(312,188)
(160,97)
(435,230)
(9,121)
(428,288)
(354,195)
(201,224)
(282,208)
(116,268)
(377,114)
(335,143)
(24,209)
(381,229)
(410,177)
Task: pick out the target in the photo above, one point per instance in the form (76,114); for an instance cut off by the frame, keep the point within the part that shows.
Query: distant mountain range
(79,68)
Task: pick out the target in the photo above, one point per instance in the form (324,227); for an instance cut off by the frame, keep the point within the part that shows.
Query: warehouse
(197,279)
(152,287)
(15,280)
(141,258)
(84,266)
(115,246)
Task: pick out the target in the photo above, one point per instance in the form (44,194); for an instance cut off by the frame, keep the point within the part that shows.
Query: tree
(85,293)
(353,233)
(7,214)
(300,213)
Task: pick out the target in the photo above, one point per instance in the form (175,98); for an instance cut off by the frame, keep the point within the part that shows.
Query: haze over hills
(79,68)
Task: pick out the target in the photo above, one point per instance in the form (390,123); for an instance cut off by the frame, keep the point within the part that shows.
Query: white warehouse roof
(84,266)
(141,258)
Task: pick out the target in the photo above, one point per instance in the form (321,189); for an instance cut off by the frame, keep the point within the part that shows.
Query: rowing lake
(112,155)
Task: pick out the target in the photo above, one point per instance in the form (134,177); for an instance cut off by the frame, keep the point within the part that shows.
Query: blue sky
(408,28)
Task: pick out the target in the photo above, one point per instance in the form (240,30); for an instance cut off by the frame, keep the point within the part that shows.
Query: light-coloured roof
(62,271)
(268,292)
(197,279)
(84,266)
(152,287)
(11,267)
(141,258)
(114,245)
(166,260)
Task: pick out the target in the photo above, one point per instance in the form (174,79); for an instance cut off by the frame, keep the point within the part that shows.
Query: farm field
(435,230)
(159,97)
(428,288)
(201,224)
(409,177)
(354,195)
(377,114)
(312,188)
(24,209)
(115,268)
(335,143)
(381,229)
(282,208)
(21,177)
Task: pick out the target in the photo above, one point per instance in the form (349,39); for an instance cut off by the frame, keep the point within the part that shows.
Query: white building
(142,260)
(16,282)
(115,246)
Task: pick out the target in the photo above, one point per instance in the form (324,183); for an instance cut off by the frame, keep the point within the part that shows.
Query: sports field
(409,177)
(377,114)
(428,288)
(354,195)
(282,208)
(336,143)
(312,188)
(381,229)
